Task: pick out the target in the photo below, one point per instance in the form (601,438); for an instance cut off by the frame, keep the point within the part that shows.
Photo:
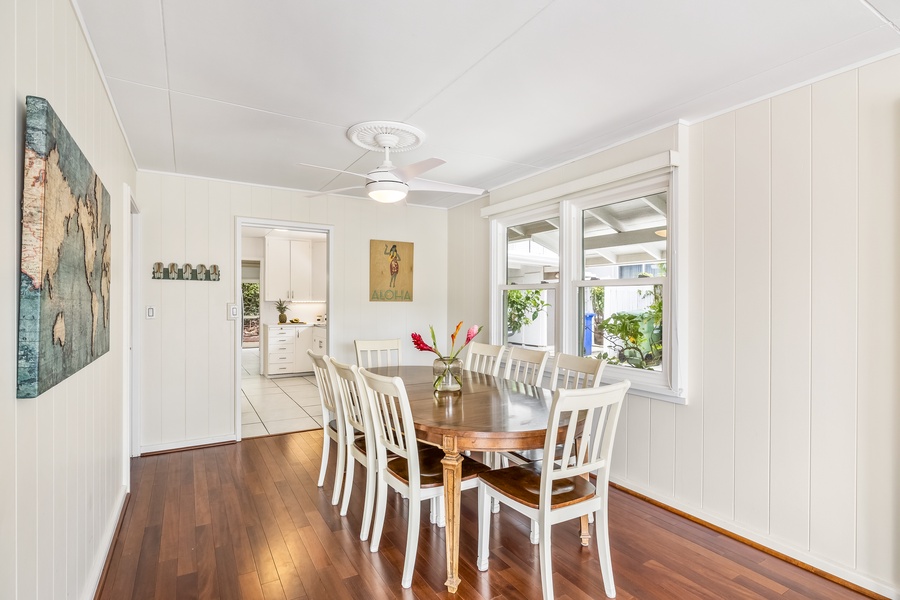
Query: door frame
(239,224)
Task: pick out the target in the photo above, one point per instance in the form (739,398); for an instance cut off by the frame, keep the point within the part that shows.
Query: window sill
(649,384)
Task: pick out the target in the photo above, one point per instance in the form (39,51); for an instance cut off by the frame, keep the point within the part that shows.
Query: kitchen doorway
(284,270)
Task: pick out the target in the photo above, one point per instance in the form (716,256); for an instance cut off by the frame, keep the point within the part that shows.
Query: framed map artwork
(390,271)
(64,284)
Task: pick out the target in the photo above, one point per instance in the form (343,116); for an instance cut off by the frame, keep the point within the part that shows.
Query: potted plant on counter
(282,307)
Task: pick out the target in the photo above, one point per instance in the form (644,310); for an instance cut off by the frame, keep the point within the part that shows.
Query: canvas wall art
(390,271)
(64,286)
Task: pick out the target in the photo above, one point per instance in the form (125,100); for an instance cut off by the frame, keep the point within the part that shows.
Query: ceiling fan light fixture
(387,191)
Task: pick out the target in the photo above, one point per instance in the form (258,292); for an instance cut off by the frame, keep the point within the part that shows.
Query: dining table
(490,414)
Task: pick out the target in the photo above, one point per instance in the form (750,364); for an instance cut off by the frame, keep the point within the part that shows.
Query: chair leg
(348,484)
(412,539)
(380,507)
(534,536)
(546,559)
(484,527)
(369,503)
(602,533)
(441,512)
(339,473)
(326,446)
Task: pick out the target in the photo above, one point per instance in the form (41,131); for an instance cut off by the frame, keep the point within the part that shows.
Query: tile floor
(281,405)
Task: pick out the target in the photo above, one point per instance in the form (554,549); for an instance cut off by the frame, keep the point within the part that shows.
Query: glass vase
(447,375)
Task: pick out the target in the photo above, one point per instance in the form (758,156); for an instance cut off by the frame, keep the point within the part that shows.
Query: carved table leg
(452,462)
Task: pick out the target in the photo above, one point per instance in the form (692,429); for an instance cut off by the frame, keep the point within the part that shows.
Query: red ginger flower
(420,344)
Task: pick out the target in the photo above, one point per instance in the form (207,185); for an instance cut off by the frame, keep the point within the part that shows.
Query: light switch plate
(151,312)
(232,312)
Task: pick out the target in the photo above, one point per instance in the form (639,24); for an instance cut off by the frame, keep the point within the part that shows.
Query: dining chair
(525,366)
(570,372)
(555,491)
(333,422)
(377,353)
(573,372)
(359,435)
(416,472)
(484,358)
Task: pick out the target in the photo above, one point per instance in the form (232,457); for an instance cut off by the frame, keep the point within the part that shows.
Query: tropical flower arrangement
(447,368)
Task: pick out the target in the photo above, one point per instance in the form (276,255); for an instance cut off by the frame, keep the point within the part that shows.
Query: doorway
(284,268)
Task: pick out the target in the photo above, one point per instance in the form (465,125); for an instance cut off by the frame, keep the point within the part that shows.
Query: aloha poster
(64,285)
(390,271)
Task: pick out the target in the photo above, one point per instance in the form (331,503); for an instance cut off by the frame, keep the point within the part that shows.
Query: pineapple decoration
(282,307)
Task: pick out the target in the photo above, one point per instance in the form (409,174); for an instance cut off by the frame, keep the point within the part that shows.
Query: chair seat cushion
(523,483)
(430,468)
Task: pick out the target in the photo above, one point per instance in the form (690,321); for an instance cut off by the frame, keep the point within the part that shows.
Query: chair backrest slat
(525,366)
(377,353)
(592,411)
(484,358)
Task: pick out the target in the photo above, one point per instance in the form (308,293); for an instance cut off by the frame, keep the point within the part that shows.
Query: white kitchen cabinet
(319,266)
(288,270)
(284,349)
(319,339)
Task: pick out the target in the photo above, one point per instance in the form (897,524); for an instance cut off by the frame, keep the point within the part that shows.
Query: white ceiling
(503,89)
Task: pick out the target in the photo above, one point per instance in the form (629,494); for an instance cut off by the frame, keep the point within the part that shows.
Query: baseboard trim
(112,544)
(185,448)
(770,551)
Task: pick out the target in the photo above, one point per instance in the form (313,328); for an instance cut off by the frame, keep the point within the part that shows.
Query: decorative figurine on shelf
(173,271)
(213,272)
(282,307)
(201,272)
(187,271)
(157,270)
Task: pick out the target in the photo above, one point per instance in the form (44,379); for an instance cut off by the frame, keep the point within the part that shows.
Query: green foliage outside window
(522,308)
(250,292)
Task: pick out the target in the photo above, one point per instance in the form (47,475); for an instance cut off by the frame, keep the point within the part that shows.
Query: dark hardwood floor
(247,521)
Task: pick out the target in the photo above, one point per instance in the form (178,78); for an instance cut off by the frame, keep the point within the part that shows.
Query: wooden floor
(247,521)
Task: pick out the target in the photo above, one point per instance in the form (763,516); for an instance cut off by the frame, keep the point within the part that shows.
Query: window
(592,274)
(532,276)
(623,259)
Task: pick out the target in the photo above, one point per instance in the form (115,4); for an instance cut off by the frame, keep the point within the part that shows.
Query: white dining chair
(416,472)
(360,436)
(333,422)
(484,358)
(525,365)
(377,353)
(570,372)
(557,491)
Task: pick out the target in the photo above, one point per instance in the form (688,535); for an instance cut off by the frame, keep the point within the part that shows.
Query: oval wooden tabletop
(491,414)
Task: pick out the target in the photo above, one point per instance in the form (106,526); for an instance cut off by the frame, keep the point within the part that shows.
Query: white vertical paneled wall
(63,452)
(188,395)
(791,434)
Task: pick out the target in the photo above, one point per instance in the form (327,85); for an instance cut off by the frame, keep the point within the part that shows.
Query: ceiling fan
(389,183)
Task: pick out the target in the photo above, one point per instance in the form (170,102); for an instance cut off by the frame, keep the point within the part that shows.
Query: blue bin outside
(588,333)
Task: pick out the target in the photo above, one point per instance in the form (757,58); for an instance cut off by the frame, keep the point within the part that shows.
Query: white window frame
(499,272)
(669,384)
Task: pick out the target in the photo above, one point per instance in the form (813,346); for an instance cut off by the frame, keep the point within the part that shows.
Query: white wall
(791,434)
(188,369)
(63,454)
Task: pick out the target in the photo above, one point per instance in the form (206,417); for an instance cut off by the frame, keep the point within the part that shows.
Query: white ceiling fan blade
(426,185)
(330,169)
(414,170)
(326,192)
